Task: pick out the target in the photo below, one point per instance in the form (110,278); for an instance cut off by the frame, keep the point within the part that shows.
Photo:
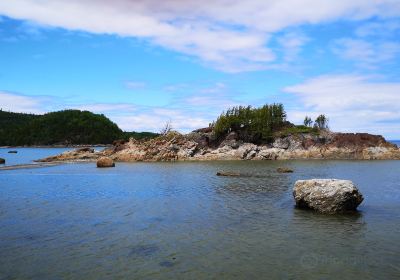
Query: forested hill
(62,127)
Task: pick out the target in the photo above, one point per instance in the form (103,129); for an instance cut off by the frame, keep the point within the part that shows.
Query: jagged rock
(2,161)
(251,154)
(200,146)
(269,153)
(284,170)
(232,136)
(105,162)
(327,195)
(281,143)
(245,149)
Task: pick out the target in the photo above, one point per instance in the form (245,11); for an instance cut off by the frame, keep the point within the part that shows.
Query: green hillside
(62,127)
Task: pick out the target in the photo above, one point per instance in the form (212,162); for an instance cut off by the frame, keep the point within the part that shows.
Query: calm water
(27,155)
(180,221)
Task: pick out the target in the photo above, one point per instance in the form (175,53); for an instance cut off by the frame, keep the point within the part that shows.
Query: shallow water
(180,221)
(28,155)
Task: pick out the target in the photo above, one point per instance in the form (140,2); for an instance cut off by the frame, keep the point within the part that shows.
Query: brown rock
(2,161)
(105,162)
(84,150)
(228,174)
(284,170)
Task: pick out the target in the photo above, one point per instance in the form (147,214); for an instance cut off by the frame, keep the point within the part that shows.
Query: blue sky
(142,63)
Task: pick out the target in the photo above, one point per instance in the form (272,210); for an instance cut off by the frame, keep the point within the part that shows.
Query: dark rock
(360,140)
(327,195)
(232,136)
(12,152)
(119,142)
(284,170)
(204,130)
(84,150)
(2,161)
(228,174)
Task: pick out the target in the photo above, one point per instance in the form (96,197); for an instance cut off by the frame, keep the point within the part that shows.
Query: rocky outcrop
(327,195)
(82,154)
(105,162)
(201,146)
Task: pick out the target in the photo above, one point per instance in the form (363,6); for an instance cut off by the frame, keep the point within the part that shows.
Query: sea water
(181,221)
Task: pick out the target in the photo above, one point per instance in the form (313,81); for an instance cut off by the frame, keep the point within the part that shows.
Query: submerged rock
(327,195)
(2,161)
(105,162)
(12,152)
(284,170)
(228,174)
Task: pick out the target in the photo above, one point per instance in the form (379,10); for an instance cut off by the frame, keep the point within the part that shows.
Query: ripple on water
(165,220)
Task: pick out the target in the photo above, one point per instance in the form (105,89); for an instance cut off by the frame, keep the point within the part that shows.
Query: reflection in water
(180,220)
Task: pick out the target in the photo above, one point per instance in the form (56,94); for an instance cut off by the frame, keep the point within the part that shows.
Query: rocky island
(198,146)
(246,133)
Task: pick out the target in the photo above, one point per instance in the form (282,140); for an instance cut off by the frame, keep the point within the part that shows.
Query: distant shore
(58,146)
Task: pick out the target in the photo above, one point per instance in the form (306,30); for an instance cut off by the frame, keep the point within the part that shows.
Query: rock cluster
(327,195)
(82,154)
(200,145)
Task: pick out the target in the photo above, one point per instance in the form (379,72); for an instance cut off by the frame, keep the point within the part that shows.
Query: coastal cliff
(198,146)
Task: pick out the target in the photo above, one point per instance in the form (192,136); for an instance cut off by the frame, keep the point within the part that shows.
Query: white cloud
(365,53)
(127,115)
(228,35)
(103,108)
(353,103)
(154,121)
(21,103)
(292,44)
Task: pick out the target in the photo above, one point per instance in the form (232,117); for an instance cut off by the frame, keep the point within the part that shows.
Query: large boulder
(105,162)
(2,161)
(327,195)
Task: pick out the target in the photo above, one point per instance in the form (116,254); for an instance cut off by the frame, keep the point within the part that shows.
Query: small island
(245,133)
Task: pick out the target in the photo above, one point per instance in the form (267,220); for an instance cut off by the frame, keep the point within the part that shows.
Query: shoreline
(58,146)
(196,147)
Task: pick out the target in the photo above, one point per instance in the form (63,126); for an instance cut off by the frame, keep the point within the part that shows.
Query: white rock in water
(327,195)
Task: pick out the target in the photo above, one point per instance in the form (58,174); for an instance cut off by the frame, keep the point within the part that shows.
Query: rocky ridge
(196,146)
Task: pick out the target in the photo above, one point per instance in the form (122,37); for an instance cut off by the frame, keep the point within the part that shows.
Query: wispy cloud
(352,102)
(380,29)
(231,36)
(135,85)
(367,54)
(22,103)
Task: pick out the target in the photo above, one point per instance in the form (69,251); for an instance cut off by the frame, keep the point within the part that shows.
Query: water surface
(180,221)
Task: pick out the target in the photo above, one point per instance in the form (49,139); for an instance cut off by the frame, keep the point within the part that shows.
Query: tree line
(263,124)
(63,127)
